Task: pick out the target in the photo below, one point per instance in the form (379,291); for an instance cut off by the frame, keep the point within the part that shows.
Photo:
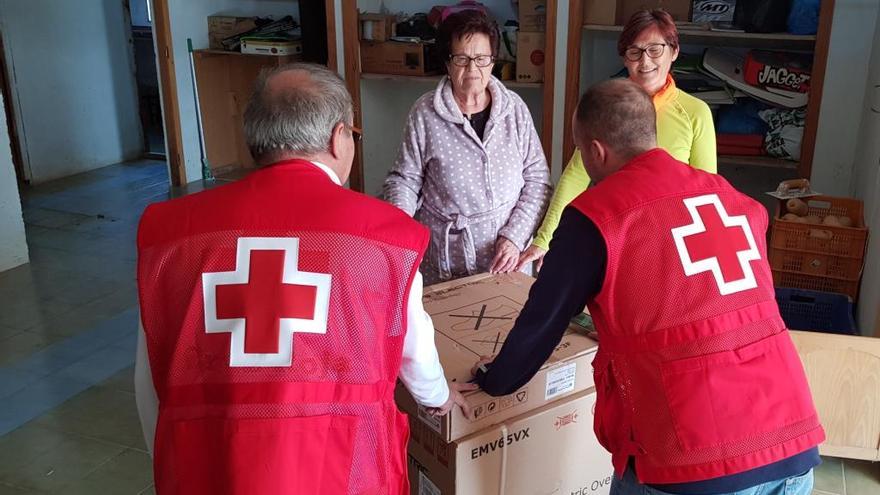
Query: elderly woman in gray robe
(470,167)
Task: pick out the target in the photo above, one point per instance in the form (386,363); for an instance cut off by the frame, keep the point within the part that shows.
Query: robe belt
(457,221)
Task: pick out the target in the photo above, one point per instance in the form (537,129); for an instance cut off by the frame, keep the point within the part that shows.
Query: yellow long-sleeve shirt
(684,129)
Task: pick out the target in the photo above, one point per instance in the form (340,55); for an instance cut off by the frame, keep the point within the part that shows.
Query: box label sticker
(432,422)
(560,381)
(426,486)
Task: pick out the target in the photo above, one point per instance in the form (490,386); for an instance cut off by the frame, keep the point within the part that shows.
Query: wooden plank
(170,103)
(549,78)
(757,161)
(573,74)
(352,54)
(753,38)
(330,10)
(844,376)
(817,83)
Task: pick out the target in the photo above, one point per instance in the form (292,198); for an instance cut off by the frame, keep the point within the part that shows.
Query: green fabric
(684,129)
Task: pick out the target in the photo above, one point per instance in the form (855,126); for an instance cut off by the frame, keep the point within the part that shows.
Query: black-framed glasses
(357,134)
(479,60)
(654,50)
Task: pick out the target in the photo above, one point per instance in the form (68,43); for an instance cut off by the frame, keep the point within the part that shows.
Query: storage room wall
(189,19)
(74,93)
(385,104)
(867,187)
(13,246)
(852,35)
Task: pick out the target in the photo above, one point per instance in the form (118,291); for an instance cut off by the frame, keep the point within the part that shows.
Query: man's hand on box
(482,364)
(455,399)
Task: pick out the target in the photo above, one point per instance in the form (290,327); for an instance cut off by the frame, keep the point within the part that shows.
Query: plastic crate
(816,283)
(821,265)
(823,239)
(816,311)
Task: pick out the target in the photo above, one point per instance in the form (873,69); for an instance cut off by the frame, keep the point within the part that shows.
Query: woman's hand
(532,253)
(506,256)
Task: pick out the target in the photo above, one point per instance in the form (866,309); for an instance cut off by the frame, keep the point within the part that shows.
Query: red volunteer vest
(696,374)
(274,310)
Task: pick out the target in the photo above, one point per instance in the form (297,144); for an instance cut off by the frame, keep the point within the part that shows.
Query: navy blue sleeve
(573,272)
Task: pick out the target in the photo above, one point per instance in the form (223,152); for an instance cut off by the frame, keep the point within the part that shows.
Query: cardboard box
(221,27)
(603,12)
(394,57)
(472,317)
(533,15)
(680,10)
(550,450)
(376,27)
(530,57)
(276,48)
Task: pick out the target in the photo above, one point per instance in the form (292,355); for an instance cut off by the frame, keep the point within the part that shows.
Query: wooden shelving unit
(354,75)
(817,44)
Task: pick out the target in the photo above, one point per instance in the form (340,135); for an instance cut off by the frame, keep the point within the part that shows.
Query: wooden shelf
(750,39)
(435,78)
(209,52)
(757,161)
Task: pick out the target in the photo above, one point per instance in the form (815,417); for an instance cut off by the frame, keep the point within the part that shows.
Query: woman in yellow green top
(648,45)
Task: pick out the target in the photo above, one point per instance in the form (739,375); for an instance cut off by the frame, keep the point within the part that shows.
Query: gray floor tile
(128,473)
(829,476)
(862,477)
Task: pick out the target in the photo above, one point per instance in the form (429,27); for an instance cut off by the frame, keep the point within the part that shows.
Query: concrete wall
(74,90)
(866,175)
(189,19)
(846,75)
(13,247)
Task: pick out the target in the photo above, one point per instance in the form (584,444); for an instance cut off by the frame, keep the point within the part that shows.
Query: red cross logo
(264,301)
(718,243)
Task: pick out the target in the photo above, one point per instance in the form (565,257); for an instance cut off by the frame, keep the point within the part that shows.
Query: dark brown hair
(646,19)
(619,114)
(463,25)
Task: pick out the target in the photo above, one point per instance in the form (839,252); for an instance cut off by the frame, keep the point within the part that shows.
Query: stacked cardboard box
(545,425)
(530,41)
(221,27)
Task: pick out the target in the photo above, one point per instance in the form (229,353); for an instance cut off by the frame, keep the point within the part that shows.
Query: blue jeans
(795,485)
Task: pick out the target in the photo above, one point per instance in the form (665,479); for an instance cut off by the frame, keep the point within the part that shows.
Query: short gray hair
(297,119)
(620,114)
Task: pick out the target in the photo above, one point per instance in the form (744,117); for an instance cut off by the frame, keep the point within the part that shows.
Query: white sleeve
(420,369)
(144,391)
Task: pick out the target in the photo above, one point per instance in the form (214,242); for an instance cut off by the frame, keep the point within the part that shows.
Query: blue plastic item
(803,18)
(817,311)
(741,118)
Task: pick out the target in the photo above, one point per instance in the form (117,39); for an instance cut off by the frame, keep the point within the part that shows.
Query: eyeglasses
(357,134)
(654,50)
(479,60)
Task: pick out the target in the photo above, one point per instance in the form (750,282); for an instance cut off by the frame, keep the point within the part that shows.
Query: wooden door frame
(11,121)
(547,103)
(168,89)
(817,84)
(572,74)
(352,55)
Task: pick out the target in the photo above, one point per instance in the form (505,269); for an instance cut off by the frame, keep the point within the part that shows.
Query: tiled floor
(68,422)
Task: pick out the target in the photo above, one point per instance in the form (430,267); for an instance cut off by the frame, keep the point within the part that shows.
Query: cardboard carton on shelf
(532,15)
(221,27)
(472,317)
(530,57)
(397,57)
(549,450)
(376,27)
